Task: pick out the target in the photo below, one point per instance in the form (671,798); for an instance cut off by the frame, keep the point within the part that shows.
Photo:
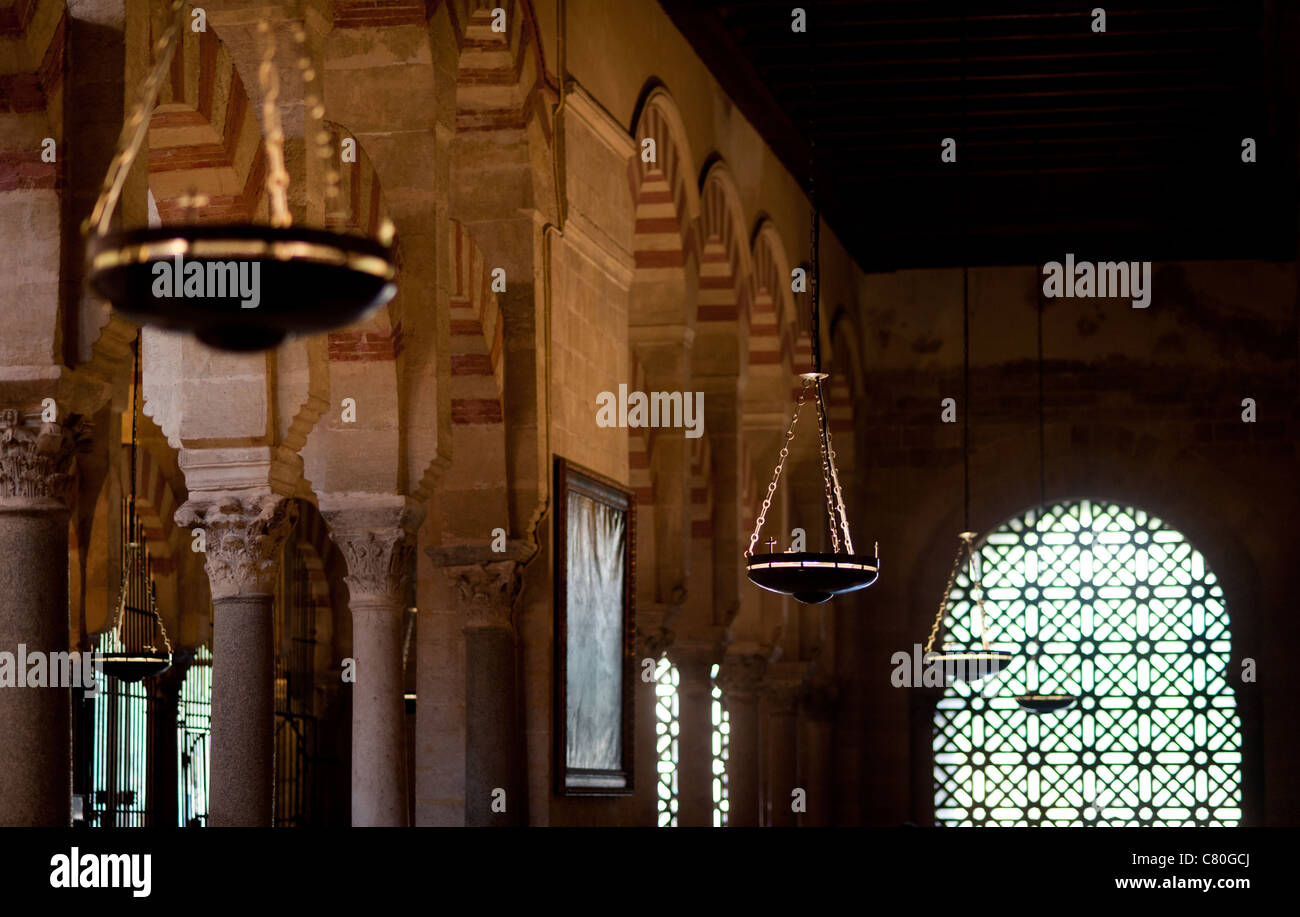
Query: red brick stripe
(25,170)
(476,411)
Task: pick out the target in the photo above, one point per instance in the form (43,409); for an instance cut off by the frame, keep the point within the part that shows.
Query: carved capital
(379,563)
(740,676)
(243,534)
(782,694)
(375,533)
(38,459)
(486,592)
(653,643)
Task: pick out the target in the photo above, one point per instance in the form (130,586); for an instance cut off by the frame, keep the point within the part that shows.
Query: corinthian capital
(243,534)
(741,676)
(37,459)
(376,536)
(486,592)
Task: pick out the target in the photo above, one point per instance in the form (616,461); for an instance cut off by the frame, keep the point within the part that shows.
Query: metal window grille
(667,728)
(1109,604)
(194,741)
(721,747)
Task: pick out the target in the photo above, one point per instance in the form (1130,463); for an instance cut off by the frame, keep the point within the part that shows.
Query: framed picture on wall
(595,566)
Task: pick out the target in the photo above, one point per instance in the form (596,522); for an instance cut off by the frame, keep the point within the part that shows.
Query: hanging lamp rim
(242,241)
(812,577)
(1046,703)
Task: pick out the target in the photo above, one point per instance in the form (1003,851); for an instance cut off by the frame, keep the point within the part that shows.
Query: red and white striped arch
(726,273)
(204,135)
(667,202)
(477,372)
(772,329)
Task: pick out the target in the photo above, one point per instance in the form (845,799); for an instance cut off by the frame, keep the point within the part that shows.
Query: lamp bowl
(969,665)
(812,578)
(1045,703)
(253,285)
(134,666)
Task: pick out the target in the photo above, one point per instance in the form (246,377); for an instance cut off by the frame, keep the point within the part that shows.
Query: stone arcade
(379,500)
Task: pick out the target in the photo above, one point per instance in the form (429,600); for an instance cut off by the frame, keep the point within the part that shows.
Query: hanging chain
(962,553)
(135,128)
(839,494)
(978,583)
(776,475)
(826,469)
(277,177)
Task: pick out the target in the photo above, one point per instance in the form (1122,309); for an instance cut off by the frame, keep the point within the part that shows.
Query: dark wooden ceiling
(1122,145)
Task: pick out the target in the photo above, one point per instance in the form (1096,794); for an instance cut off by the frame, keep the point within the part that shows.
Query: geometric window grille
(721,743)
(194,741)
(121,765)
(1107,603)
(666,735)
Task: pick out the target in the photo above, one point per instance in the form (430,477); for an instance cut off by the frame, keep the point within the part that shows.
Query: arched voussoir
(724,307)
(206,159)
(661,181)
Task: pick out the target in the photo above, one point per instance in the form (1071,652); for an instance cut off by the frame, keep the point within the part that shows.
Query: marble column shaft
(378,544)
(486,594)
(36,474)
(243,534)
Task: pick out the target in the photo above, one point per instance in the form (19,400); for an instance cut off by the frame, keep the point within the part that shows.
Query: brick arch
(31,91)
(204,133)
(772,330)
(477,368)
(471,498)
(667,201)
(359,207)
(723,312)
(502,81)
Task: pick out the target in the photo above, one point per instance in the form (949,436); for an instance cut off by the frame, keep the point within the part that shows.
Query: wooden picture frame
(594,643)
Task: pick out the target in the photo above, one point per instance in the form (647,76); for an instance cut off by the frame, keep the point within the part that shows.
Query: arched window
(721,744)
(1107,603)
(667,728)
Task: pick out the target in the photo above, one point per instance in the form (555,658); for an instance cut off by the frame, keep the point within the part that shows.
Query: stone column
(781,749)
(485,594)
(695,741)
(36,474)
(376,538)
(243,534)
(739,678)
(816,716)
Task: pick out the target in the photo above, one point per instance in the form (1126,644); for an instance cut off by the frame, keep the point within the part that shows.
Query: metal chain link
(136,127)
(965,552)
(776,475)
(277,177)
(839,495)
(826,470)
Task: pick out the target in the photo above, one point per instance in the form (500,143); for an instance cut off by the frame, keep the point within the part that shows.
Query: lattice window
(721,745)
(667,728)
(1107,603)
(194,741)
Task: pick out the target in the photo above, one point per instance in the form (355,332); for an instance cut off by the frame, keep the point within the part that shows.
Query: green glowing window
(1107,603)
(667,728)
